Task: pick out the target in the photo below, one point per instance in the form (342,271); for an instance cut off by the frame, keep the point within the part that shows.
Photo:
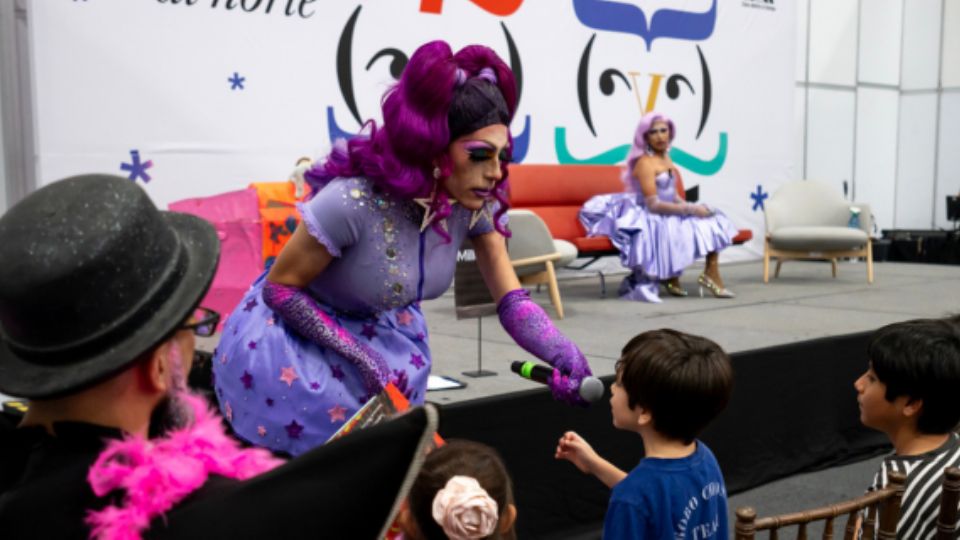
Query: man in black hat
(98,309)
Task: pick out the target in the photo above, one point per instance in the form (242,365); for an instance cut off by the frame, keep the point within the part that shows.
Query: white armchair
(534,254)
(809,220)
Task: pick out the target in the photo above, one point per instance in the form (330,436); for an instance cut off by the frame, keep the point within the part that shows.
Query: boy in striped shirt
(909,392)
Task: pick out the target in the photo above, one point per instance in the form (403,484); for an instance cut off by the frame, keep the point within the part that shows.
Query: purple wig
(417,118)
(639,146)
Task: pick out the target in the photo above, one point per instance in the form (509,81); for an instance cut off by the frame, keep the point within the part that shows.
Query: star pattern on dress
(758,197)
(337,414)
(236,82)
(252,345)
(223,359)
(269,402)
(314,385)
(293,429)
(404,318)
(416,360)
(261,431)
(368,331)
(288,375)
(251,303)
(247,380)
(136,168)
(337,372)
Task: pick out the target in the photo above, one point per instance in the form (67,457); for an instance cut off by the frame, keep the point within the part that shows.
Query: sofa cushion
(534,185)
(817,238)
(593,244)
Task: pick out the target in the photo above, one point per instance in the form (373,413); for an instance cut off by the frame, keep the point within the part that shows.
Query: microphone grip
(533,371)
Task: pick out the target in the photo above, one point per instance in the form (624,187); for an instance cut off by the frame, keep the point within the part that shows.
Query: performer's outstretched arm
(302,259)
(526,322)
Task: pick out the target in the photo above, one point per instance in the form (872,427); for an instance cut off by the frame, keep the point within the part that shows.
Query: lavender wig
(438,93)
(639,147)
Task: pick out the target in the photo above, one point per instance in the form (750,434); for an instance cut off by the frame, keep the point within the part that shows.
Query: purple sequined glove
(532,329)
(301,311)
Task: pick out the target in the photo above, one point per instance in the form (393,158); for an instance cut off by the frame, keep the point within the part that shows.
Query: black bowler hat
(92,275)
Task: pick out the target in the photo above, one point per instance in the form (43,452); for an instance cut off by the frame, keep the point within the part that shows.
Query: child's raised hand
(573,448)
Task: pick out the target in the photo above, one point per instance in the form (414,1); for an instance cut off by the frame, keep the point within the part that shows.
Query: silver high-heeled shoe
(717,291)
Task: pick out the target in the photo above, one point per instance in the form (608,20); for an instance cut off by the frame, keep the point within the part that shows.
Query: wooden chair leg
(766,263)
(554,289)
(869,262)
(776,273)
(833,267)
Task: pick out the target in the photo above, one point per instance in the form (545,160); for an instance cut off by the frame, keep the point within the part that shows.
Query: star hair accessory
(464,510)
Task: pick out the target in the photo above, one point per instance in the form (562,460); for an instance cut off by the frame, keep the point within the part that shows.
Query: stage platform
(803,303)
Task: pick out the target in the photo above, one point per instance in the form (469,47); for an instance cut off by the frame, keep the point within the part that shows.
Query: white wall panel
(803,6)
(876,155)
(830,124)
(833,41)
(921,44)
(799,127)
(950,66)
(948,162)
(879,47)
(915,161)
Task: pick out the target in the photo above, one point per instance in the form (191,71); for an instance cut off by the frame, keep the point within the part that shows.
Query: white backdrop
(123,83)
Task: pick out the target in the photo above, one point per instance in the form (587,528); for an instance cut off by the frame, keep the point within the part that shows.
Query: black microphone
(591,388)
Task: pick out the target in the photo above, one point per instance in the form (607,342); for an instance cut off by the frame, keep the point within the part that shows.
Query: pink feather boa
(158,473)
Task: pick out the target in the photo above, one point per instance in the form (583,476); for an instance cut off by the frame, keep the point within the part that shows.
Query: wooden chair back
(884,502)
(949,501)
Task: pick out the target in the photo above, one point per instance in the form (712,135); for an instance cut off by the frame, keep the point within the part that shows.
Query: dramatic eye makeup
(479,151)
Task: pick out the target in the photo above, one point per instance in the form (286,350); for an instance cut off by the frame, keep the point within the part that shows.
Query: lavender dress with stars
(653,246)
(283,391)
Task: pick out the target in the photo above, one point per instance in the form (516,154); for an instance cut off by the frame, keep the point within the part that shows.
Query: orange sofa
(556,193)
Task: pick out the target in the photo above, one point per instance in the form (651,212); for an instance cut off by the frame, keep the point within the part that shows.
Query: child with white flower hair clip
(463,492)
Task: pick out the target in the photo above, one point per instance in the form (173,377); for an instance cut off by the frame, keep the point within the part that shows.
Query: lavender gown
(285,392)
(653,246)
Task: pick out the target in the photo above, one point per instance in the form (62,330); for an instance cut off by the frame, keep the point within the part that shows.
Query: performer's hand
(702,210)
(568,373)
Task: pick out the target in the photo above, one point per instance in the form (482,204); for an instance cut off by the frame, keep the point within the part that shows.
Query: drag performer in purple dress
(338,315)
(657,233)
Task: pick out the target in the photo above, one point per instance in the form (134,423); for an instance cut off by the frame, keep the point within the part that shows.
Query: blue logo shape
(758,197)
(616,16)
(236,82)
(136,168)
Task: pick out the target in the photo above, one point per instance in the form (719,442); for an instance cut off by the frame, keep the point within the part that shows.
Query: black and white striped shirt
(921,496)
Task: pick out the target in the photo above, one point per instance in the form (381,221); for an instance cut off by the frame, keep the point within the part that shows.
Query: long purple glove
(301,311)
(532,329)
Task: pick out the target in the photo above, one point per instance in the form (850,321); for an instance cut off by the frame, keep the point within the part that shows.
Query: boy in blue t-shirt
(669,386)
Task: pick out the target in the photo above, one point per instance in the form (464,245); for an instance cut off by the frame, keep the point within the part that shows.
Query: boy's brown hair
(682,379)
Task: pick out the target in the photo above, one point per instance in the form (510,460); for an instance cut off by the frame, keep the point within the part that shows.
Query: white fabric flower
(464,509)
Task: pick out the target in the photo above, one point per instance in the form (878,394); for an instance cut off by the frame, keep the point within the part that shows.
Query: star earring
(482,212)
(429,207)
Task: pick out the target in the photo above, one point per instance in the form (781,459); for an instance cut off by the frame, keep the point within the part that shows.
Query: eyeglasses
(206,322)
(658,131)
